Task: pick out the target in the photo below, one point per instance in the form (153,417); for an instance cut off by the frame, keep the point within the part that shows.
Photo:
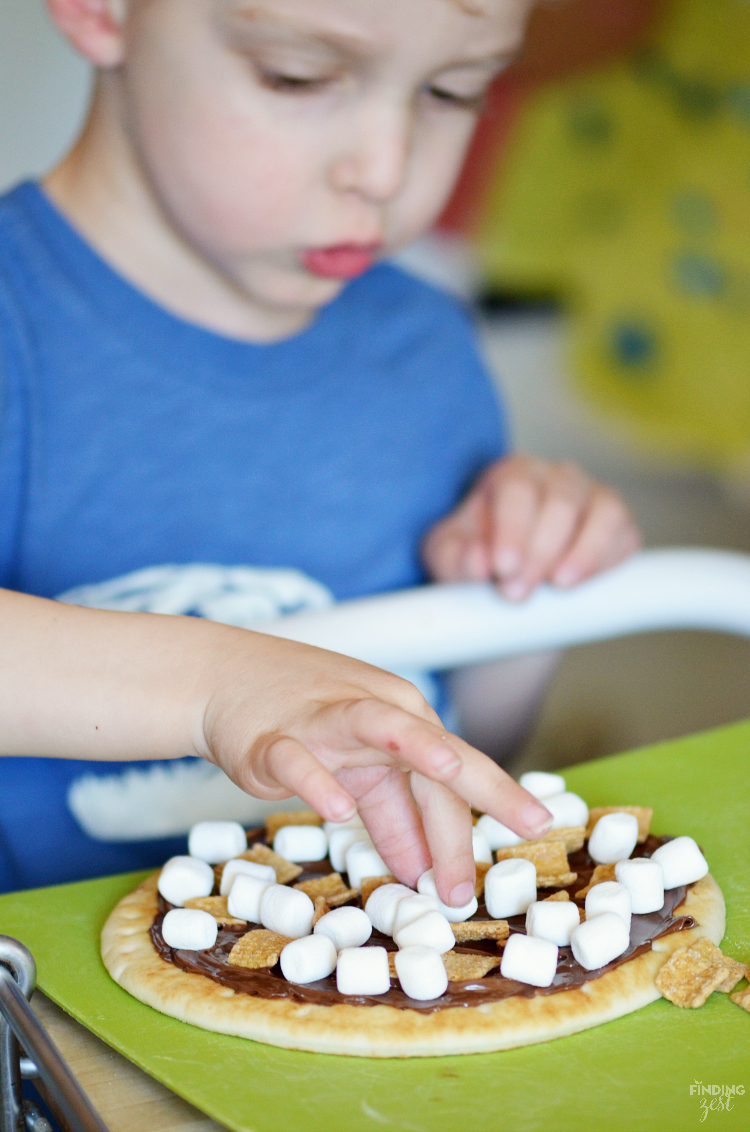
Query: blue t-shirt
(132,440)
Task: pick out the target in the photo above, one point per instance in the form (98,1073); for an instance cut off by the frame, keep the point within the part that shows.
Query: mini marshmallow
(182,878)
(339,841)
(382,904)
(308,959)
(481,847)
(529,959)
(509,888)
(189,929)
(609,896)
(613,838)
(597,942)
(421,972)
(251,868)
(567,809)
(498,835)
(431,929)
(411,907)
(216,841)
(245,896)
(681,860)
(355,822)
(426,887)
(345,927)
(363,970)
(287,911)
(553,920)
(363,860)
(644,880)
(301,843)
(541,784)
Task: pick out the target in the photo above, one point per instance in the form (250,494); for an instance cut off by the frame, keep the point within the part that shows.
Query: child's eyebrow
(256,16)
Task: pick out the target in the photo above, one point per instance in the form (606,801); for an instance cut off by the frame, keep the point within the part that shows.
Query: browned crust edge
(385,1031)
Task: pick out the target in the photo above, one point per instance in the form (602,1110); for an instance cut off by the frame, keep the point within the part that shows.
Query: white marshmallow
(330,827)
(421,972)
(339,840)
(509,887)
(613,838)
(597,942)
(681,860)
(363,860)
(216,841)
(363,971)
(567,809)
(189,929)
(345,927)
(553,920)
(245,896)
(609,896)
(498,835)
(308,959)
(644,880)
(426,887)
(411,907)
(481,847)
(288,911)
(529,959)
(301,843)
(182,878)
(541,784)
(251,868)
(382,904)
(431,929)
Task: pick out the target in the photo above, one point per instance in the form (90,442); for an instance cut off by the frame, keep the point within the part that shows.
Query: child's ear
(94,27)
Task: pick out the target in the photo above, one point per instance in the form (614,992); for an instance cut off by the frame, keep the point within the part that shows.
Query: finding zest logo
(721,1096)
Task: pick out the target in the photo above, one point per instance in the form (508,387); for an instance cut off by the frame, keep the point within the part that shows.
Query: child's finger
(286,763)
(515,506)
(607,536)
(447,826)
(394,823)
(456,549)
(559,519)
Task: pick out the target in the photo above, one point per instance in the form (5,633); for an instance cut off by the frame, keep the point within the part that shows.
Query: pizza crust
(385,1031)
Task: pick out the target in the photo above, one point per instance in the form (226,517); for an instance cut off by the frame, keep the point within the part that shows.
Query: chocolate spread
(270,983)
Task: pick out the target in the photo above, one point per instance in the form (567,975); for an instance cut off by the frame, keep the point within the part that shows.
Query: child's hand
(527,521)
(337,732)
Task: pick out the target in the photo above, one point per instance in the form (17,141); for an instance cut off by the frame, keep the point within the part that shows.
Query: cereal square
(462,966)
(692,973)
(275,822)
(480,929)
(642,813)
(285,870)
(259,948)
(216,906)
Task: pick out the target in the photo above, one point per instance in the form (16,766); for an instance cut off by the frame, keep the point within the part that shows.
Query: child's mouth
(342,262)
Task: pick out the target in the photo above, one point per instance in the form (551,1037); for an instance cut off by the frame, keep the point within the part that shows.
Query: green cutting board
(633,1073)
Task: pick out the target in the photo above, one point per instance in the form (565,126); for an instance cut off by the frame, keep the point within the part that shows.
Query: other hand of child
(292,719)
(528,521)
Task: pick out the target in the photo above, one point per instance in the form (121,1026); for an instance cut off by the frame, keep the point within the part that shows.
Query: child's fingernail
(443,759)
(507,562)
(536,817)
(568,576)
(462,894)
(341,808)
(515,591)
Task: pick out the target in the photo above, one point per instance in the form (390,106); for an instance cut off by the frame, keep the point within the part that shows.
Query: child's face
(291,141)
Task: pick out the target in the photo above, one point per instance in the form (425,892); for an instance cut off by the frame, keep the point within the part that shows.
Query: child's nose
(376,156)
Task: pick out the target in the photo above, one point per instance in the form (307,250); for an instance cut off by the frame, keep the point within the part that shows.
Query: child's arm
(279,717)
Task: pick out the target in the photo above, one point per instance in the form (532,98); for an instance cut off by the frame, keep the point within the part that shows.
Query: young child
(206,360)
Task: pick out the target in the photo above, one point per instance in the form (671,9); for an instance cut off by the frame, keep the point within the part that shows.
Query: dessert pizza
(295,935)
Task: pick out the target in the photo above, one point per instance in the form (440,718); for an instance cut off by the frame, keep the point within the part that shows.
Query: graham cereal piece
(482,869)
(561,895)
(274,822)
(642,813)
(572,836)
(392,964)
(737,971)
(549,857)
(285,870)
(581,915)
(600,874)
(742,998)
(327,885)
(692,973)
(216,906)
(558,880)
(321,908)
(336,899)
(480,929)
(258,948)
(369,884)
(464,966)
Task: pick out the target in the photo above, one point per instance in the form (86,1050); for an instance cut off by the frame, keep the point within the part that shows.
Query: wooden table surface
(126,1098)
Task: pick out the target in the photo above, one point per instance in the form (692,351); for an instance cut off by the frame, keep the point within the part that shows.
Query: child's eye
(462,101)
(293,84)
